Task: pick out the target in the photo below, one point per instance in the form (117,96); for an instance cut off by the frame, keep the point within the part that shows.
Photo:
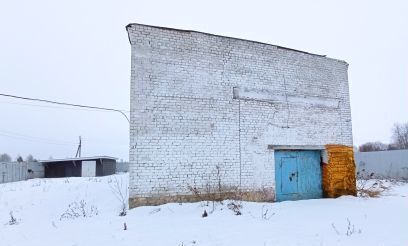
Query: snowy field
(42,216)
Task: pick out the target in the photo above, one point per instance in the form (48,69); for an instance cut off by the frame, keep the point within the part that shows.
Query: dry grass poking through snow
(369,187)
(37,206)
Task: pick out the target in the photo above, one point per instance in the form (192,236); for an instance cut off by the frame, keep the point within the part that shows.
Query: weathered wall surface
(391,164)
(204,109)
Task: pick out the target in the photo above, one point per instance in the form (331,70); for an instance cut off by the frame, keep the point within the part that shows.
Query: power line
(56,107)
(66,104)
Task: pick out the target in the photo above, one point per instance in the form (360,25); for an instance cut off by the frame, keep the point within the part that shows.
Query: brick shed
(215,117)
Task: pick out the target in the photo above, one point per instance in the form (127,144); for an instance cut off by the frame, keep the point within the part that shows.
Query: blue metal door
(297,175)
(289,175)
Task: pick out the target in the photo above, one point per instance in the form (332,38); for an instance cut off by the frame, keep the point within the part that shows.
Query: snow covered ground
(40,209)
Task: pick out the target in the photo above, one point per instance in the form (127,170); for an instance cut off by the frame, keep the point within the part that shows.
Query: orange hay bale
(339,175)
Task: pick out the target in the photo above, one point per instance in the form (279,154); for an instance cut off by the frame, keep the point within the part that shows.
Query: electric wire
(66,104)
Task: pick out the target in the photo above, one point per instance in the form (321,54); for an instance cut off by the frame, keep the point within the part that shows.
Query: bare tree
(5,157)
(400,135)
(372,146)
(392,147)
(30,158)
(120,190)
(19,159)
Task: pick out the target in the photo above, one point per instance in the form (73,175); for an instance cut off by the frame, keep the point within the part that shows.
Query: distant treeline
(7,158)
(399,140)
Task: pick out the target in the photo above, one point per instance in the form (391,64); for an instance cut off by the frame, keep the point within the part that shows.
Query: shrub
(13,220)
(367,187)
(235,206)
(121,193)
(77,210)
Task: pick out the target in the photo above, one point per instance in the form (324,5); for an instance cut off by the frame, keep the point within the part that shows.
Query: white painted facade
(205,108)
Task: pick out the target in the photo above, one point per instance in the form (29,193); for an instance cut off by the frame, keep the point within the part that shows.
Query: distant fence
(122,167)
(17,171)
(384,164)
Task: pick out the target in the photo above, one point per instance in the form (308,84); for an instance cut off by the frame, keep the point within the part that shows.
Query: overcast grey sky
(78,52)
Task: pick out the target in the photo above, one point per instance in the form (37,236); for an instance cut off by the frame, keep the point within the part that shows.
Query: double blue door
(298,175)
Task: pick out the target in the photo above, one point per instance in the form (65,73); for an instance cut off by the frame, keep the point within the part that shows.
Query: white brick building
(209,111)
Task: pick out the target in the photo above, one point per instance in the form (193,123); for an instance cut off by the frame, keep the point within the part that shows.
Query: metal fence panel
(17,171)
(384,164)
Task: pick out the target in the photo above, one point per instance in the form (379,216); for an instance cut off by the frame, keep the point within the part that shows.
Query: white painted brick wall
(185,121)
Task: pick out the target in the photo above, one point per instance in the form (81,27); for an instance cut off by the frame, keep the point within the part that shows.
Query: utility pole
(78,153)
